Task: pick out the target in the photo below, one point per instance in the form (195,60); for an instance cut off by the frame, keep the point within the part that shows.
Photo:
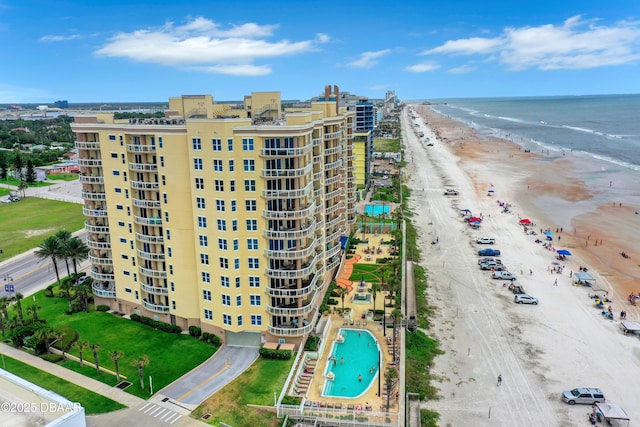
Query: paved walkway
(347,270)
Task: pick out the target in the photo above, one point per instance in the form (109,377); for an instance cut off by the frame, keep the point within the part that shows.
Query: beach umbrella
(465,210)
(563,252)
(525,221)
(475,219)
(475,223)
(548,233)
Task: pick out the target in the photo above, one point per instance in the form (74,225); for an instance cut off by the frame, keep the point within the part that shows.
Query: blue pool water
(376,210)
(357,355)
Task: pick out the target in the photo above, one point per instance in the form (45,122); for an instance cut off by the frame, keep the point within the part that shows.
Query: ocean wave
(608,159)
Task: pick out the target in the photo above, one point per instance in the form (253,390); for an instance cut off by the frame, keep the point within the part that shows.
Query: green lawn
(386,145)
(65,176)
(25,224)
(16,183)
(93,403)
(371,272)
(170,355)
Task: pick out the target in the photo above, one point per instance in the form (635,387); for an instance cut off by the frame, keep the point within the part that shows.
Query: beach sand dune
(542,350)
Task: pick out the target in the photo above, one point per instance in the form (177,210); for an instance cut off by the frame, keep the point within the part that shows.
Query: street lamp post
(379,371)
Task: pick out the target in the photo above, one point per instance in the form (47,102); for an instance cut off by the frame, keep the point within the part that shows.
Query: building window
(237,282)
(160,141)
(114,155)
(230,144)
(216,145)
(219,184)
(197,164)
(249,165)
(202,222)
(121,223)
(169,252)
(217,165)
(249,185)
(204,259)
(239,300)
(199,184)
(254,263)
(164,180)
(112,137)
(247,144)
(206,277)
(236,263)
(226,319)
(254,281)
(119,207)
(165,198)
(168,234)
(224,281)
(222,225)
(204,240)
(233,206)
(252,244)
(226,299)
(224,263)
(232,166)
(254,299)
(208,314)
(252,225)
(116,173)
(251,205)
(220,205)
(222,244)
(206,295)
(173,304)
(234,224)
(123,240)
(200,203)
(256,320)
(173,287)
(166,217)
(197,144)
(239,320)
(235,244)
(162,161)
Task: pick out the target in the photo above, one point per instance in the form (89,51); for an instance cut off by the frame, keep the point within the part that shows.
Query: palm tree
(140,363)
(18,298)
(396,315)
(115,355)
(94,350)
(63,237)
(342,292)
(374,289)
(76,250)
(22,188)
(81,345)
(50,248)
(45,334)
(58,336)
(82,291)
(4,315)
(390,378)
(33,310)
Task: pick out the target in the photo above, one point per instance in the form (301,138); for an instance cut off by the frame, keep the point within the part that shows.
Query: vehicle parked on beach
(492,266)
(486,241)
(525,299)
(489,252)
(450,192)
(584,395)
(489,259)
(503,275)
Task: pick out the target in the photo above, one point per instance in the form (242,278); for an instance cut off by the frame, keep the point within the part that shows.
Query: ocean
(605,128)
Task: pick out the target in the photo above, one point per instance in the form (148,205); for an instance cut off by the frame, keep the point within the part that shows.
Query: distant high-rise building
(61,104)
(225,216)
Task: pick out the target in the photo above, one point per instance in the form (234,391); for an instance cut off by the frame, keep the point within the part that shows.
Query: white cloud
(462,69)
(423,67)
(58,38)
(202,44)
(575,44)
(16,94)
(368,59)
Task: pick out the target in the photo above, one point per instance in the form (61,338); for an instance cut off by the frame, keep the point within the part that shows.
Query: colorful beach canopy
(525,221)
(548,233)
(563,252)
(475,219)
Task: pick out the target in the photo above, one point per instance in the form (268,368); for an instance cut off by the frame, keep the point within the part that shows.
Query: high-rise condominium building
(228,217)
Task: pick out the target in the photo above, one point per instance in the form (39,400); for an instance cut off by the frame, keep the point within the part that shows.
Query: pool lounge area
(376,210)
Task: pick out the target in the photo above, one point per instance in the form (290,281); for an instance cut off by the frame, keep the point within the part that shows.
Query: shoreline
(552,191)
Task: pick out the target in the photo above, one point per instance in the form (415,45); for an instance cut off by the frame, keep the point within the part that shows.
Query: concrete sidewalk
(71,376)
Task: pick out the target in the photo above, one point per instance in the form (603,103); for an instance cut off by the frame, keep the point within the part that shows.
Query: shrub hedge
(276,354)
(162,326)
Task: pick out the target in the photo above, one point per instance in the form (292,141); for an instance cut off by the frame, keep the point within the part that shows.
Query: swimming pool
(356,356)
(376,210)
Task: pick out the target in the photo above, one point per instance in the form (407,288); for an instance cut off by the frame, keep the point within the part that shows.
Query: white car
(486,241)
(504,275)
(450,192)
(525,299)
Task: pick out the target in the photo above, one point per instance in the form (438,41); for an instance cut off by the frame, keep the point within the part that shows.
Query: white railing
(149,239)
(151,256)
(96,228)
(141,185)
(137,148)
(97,290)
(303,212)
(143,167)
(270,173)
(156,290)
(100,260)
(89,162)
(94,212)
(286,152)
(146,203)
(304,231)
(88,145)
(152,273)
(93,196)
(155,307)
(288,194)
(293,253)
(147,221)
(98,245)
(88,179)
(102,276)
(298,292)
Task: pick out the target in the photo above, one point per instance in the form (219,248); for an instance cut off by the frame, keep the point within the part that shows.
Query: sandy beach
(540,351)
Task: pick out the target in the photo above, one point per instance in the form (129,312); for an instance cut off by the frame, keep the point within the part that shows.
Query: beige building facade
(227,217)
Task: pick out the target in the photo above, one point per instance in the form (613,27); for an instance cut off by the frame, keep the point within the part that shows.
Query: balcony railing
(333,194)
(331,223)
(332,135)
(88,195)
(151,256)
(288,194)
(143,167)
(272,173)
(147,221)
(98,245)
(333,150)
(333,208)
(99,290)
(141,185)
(100,213)
(156,290)
(138,148)
(293,253)
(333,165)
(333,251)
(87,145)
(87,179)
(317,141)
(102,276)
(152,273)
(155,204)
(333,179)
(294,330)
(331,264)
(155,307)
(304,231)
(286,152)
(305,290)
(293,272)
(149,239)
(96,228)
(303,212)
(89,162)
(106,260)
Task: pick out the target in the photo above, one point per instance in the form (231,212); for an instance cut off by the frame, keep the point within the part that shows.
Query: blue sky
(111,50)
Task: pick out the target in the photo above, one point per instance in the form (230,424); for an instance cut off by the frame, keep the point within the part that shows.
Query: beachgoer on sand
(499,379)
(555,283)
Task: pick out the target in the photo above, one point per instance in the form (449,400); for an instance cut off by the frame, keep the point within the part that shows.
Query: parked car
(489,259)
(525,299)
(489,252)
(486,241)
(504,275)
(14,197)
(492,266)
(450,192)
(587,396)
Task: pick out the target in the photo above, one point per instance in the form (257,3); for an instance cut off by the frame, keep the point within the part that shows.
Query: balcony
(106,260)
(333,208)
(138,148)
(335,221)
(100,290)
(86,179)
(156,290)
(333,150)
(331,264)
(293,310)
(317,159)
(87,145)
(332,135)
(101,229)
(155,204)
(332,180)
(97,244)
(318,176)
(141,185)
(158,274)
(288,194)
(147,221)
(333,251)
(155,307)
(286,152)
(317,141)
(89,162)
(151,256)
(102,276)
(143,167)
(333,236)
(88,195)
(333,165)
(292,272)
(303,232)
(304,212)
(99,213)
(149,239)
(332,194)
(292,253)
(272,173)
(303,291)
(294,331)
